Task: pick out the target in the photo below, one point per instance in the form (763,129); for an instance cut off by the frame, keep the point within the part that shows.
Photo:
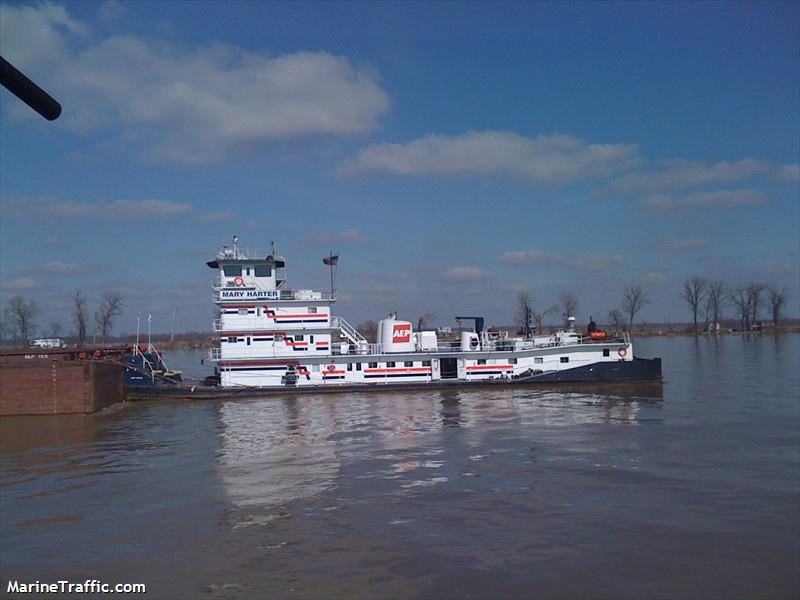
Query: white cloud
(714,199)
(348,235)
(62,268)
(528,257)
(583,262)
(680,245)
(190,106)
(656,276)
(21,284)
(466,274)
(555,159)
(679,174)
(788,172)
(116,210)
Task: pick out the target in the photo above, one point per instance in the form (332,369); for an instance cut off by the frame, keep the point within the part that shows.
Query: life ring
(238,281)
(623,352)
(331,367)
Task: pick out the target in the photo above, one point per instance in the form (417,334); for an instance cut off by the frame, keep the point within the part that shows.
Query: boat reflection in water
(275,451)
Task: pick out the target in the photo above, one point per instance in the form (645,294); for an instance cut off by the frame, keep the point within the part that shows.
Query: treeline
(20,318)
(707,301)
(710,298)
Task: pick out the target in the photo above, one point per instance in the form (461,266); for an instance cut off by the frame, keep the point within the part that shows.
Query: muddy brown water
(692,490)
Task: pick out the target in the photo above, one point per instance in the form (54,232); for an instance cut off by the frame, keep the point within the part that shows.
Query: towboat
(274,338)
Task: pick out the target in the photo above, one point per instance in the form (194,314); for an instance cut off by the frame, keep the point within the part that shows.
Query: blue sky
(453,154)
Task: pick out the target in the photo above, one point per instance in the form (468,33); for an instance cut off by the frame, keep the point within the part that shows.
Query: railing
(307,295)
(507,345)
(350,332)
(242,253)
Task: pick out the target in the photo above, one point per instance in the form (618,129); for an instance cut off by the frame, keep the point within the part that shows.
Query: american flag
(331,260)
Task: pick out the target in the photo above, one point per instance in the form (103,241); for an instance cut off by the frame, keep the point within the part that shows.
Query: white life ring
(623,352)
(238,281)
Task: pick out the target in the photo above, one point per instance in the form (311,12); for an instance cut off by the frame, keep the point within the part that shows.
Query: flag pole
(330,264)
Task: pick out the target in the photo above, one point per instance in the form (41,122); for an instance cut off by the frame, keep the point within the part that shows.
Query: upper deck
(253,275)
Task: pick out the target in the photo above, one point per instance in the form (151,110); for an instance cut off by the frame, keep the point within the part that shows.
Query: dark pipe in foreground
(27,91)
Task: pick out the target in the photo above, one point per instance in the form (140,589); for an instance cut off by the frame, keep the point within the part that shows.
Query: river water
(689,491)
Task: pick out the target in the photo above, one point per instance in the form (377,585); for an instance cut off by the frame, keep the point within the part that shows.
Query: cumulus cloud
(582,262)
(466,274)
(712,199)
(189,105)
(555,159)
(348,235)
(680,174)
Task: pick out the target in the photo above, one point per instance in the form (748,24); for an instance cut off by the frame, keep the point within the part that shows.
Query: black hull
(638,369)
(602,375)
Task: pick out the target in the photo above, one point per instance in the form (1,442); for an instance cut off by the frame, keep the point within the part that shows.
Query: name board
(249,294)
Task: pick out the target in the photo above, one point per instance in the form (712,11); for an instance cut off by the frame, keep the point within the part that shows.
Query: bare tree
(633,299)
(754,290)
(568,303)
(716,299)
(777,300)
(694,290)
(80,315)
(110,307)
(524,311)
(616,319)
(742,301)
(422,321)
(21,313)
(538,316)
(369,329)
(55,329)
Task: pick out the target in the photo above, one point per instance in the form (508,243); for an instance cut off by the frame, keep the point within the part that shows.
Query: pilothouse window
(232,270)
(263,271)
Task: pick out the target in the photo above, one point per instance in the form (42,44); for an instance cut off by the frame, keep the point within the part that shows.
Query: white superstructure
(273,336)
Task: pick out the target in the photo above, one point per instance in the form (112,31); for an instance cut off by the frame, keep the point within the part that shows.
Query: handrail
(350,332)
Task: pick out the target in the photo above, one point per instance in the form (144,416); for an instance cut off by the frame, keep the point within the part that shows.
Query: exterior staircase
(348,331)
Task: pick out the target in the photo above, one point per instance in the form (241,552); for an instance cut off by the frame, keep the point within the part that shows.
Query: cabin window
(409,363)
(538,360)
(481,361)
(565,359)
(372,365)
(606,352)
(247,271)
(311,338)
(248,341)
(390,364)
(426,363)
(298,338)
(263,271)
(349,366)
(512,361)
(312,310)
(315,368)
(232,270)
(358,366)
(242,311)
(278,337)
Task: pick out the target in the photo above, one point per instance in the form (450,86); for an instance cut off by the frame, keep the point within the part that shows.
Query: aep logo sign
(401,333)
